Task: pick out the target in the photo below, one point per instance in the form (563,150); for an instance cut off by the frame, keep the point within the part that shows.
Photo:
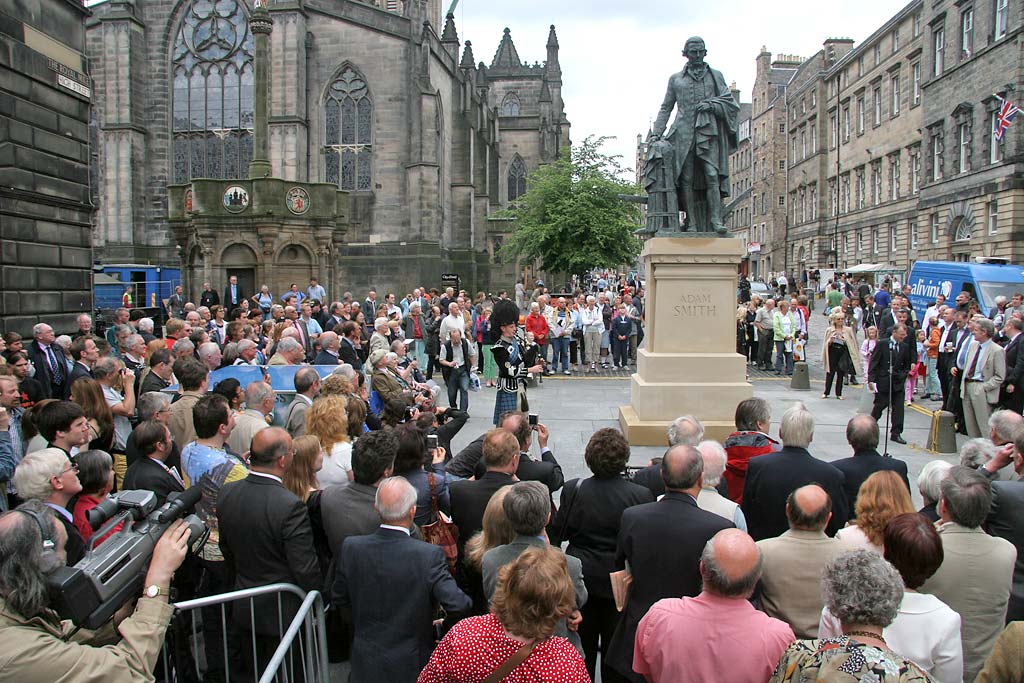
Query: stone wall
(45,210)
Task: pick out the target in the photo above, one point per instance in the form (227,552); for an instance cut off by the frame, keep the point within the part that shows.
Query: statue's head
(695,50)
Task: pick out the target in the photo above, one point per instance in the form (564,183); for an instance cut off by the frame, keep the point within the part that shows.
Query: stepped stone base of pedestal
(655,432)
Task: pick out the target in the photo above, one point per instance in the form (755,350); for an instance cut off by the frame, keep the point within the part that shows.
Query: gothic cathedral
(416,143)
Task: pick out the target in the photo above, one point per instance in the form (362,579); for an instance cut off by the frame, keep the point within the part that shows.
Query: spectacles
(73,467)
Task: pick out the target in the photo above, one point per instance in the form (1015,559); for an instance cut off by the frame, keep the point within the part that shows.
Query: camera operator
(35,645)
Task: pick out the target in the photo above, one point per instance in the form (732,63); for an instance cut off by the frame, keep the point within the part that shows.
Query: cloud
(617,57)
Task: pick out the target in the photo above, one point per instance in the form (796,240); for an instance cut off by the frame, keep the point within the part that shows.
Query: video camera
(112,572)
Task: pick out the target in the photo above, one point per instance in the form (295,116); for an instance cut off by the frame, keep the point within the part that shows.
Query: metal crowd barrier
(301,655)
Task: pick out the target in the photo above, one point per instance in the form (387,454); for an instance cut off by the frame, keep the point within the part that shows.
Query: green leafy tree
(571,217)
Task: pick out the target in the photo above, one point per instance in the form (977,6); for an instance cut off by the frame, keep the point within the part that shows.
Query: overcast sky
(617,56)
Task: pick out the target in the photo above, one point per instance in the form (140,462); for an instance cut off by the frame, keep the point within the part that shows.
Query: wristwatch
(155,590)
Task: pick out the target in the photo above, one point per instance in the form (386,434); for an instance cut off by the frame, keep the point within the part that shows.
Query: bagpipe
(528,350)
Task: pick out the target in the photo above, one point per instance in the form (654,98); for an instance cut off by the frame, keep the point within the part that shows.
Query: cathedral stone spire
(506,57)
(553,68)
(449,35)
(545,92)
(467,57)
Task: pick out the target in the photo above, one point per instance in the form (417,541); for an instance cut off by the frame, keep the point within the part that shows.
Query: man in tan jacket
(35,645)
(977,569)
(794,561)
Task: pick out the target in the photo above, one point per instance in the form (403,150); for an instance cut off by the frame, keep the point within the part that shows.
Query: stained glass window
(212,101)
(348,132)
(516,178)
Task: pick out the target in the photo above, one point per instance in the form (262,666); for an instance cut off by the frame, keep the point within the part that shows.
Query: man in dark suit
(862,435)
(84,353)
(546,470)
(1011,395)
(1006,515)
(953,340)
(887,376)
(662,542)
(348,510)
(150,471)
(330,345)
(887,320)
(49,361)
(347,351)
(209,297)
(773,476)
(469,498)
(266,537)
(233,294)
(394,627)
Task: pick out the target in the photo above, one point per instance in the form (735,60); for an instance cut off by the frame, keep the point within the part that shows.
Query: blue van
(984,282)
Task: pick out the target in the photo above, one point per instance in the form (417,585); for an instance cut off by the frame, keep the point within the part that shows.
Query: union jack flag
(1007,113)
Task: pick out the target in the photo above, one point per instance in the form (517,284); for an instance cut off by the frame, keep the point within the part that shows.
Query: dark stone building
(45,207)
(379,99)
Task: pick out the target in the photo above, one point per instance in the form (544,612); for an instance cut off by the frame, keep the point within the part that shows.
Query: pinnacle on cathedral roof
(545,92)
(467,57)
(449,35)
(552,38)
(481,76)
(506,57)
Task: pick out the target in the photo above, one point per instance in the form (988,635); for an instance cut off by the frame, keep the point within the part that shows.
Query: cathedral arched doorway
(240,260)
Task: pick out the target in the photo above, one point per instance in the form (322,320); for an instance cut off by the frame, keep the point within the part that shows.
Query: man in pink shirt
(736,643)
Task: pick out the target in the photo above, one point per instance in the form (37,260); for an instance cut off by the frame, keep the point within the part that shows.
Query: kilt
(504,402)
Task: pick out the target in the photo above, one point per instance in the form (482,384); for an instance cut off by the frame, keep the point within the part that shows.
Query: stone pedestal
(688,364)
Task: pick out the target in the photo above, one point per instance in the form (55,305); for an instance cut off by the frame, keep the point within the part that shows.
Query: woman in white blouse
(926,630)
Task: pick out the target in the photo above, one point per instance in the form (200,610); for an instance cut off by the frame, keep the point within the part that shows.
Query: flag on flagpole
(1004,117)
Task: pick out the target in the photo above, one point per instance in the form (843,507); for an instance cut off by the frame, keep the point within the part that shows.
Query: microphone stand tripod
(892,350)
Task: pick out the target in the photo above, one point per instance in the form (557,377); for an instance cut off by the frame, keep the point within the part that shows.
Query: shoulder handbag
(509,665)
(442,532)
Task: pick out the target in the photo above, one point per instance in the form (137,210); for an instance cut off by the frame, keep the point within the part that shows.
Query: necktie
(974,363)
(55,369)
(234,294)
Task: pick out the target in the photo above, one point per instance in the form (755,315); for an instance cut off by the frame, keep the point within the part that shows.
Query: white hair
(396,510)
(797,426)
(208,349)
(685,429)
(714,457)
(145,324)
(379,323)
(32,478)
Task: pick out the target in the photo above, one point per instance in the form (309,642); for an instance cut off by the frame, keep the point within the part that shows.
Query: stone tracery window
(348,131)
(212,100)
(516,178)
(510,105)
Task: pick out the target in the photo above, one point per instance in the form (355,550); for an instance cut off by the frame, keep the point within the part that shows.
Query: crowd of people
(449,566)
(956,354)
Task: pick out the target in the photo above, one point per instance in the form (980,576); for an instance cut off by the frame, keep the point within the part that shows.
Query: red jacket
(740,447)
(536,323)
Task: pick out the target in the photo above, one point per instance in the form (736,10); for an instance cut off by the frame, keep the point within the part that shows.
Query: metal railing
(301,654)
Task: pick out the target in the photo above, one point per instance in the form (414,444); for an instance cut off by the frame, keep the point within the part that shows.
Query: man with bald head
(794,561)
(394,636)
(278,548)
(662,542)
(862,435)
(739,642)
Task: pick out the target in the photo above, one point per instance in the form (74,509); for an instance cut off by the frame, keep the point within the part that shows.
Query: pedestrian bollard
(801,378)
(943,435)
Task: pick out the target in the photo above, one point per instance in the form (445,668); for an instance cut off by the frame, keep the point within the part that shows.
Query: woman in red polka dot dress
(534,592)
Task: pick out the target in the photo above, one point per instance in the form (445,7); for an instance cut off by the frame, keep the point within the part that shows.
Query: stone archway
(239,260)
(294,263)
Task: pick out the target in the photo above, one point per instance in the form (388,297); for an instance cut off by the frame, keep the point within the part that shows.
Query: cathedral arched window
(516,178)
(212,97)
(510,105)
(348,131)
